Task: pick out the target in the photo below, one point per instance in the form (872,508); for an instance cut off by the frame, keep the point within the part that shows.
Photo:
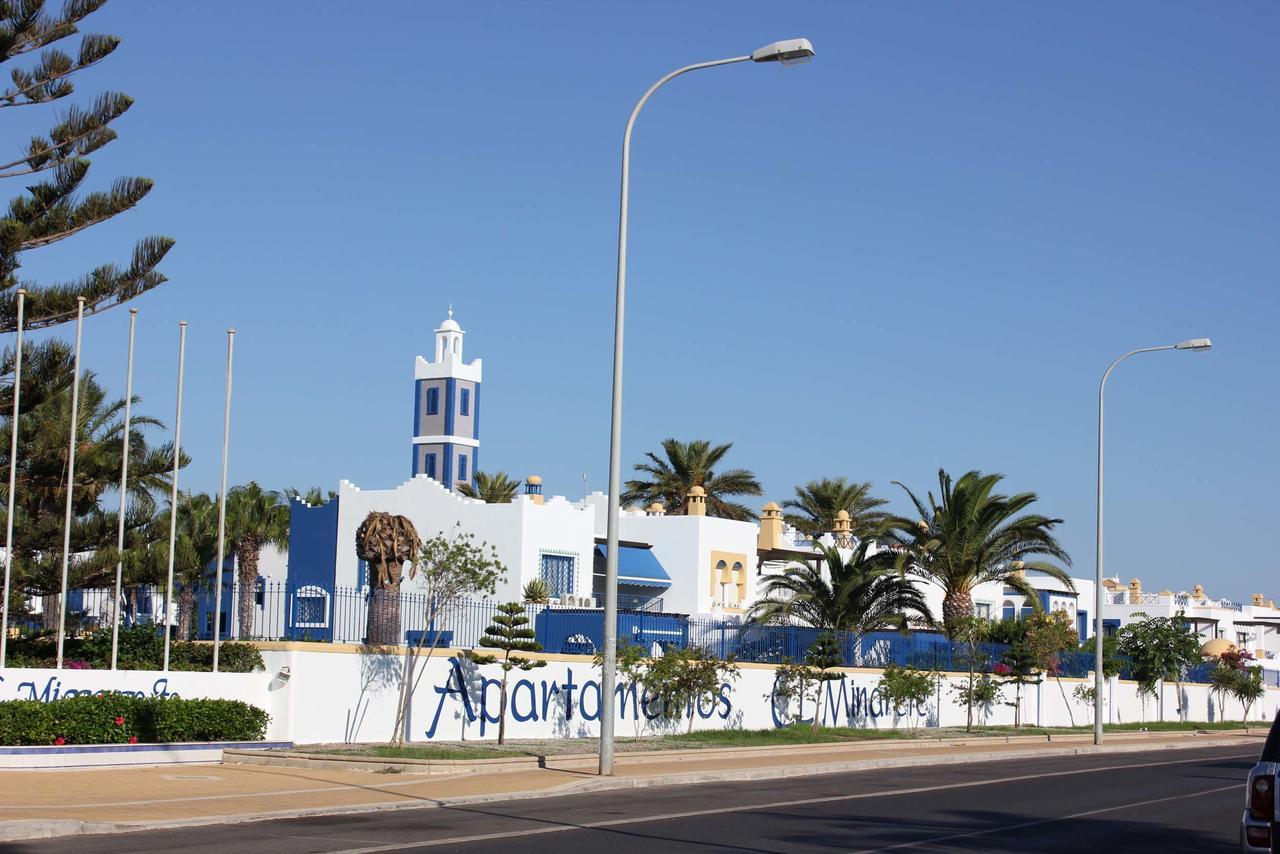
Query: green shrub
(140,648)
(121,718)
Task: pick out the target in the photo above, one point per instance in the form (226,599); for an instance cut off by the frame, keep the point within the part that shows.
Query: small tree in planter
(968,633)
(630,660)
(1249,688)
(793,681)
(906,686)
(1159,648)
(686,677)
(1047,637)
(1018,668)
(510,633)
(981,693)
(822,657)
(450,568)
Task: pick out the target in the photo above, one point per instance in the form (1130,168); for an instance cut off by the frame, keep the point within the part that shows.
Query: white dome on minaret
(449,340)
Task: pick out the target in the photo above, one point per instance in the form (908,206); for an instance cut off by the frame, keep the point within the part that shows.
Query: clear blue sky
(920,250)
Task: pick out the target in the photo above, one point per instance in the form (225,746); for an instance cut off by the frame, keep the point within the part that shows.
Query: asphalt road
(1166,801)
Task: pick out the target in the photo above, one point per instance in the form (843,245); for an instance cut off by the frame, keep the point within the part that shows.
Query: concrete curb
(49,828)
(578,761)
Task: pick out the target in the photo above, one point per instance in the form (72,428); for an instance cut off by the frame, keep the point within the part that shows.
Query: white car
(1260,827)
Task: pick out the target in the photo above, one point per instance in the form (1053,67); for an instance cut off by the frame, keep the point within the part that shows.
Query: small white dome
(450,325)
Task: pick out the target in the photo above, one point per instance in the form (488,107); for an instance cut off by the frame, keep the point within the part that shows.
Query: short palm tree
(385,542)
(818,501)
(256,518)
(690,464)
(496,488)
(195,548)
(536,592)
(864,593)
(969,535)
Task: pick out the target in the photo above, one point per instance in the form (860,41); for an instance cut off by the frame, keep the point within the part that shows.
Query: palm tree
(690,464)
(256,518)
(863,594)
(195,549)
(536,592)
(818,501)
(315,496)
(496,488)
(970,535)
(385,542)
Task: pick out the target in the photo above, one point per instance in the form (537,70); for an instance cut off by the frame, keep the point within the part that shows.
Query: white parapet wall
(348,694)
(333,693)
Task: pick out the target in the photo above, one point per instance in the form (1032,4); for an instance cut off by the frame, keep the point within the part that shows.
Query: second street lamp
(788,52)
(1199,345)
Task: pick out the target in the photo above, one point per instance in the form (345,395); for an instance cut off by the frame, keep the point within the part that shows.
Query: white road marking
(972,833)
(888,793)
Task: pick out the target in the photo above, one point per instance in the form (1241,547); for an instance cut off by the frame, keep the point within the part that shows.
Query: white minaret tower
(446,410)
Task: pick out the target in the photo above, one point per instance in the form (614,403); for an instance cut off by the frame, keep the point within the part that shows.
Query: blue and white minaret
(446,410)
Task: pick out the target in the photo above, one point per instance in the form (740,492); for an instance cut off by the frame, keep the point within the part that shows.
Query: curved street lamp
(1197,345)
(788,52)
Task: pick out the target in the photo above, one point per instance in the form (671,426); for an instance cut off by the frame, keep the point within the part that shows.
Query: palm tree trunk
(247,558)
(383,625)
(185,601)
(957,606)
(49,610)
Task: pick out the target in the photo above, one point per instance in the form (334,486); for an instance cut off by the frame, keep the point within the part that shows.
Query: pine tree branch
(55,66)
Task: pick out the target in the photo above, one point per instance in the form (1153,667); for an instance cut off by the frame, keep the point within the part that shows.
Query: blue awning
(638,567)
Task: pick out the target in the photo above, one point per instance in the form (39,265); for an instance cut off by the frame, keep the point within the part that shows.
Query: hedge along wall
(47,685)
(339,693)
(126,719)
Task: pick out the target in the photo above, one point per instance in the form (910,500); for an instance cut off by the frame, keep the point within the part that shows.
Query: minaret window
(462,469)
(430,465)
(433,401)
(464,404)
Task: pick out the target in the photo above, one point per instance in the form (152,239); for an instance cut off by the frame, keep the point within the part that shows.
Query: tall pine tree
(54,206)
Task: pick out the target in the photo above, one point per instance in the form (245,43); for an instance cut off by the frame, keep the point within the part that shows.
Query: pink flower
(133,739)
(119,721)
(59,740)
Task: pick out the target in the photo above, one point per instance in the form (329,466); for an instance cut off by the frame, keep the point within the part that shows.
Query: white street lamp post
(1196,345)
(789,52)
(222,510)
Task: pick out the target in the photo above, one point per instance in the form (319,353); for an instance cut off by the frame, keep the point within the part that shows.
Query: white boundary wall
(350,696)
(322,693)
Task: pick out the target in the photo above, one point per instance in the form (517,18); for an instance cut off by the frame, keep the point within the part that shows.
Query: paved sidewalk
(56,803)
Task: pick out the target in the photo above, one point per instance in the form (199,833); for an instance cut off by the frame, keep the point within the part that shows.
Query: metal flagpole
(13,479)
(71,480)
(124,492)
(173,491)
(222,505)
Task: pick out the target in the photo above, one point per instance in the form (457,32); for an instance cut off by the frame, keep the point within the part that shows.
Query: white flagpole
(173,493)
(222,506)
(13,479)
(124,492)
(71,480)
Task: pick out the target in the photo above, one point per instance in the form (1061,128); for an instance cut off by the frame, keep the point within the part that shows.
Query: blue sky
(920,250)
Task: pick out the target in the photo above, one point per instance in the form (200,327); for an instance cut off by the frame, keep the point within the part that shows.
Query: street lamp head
(1199,345)
(788,52)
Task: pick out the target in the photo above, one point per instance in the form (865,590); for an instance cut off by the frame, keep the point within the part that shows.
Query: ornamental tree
(449,569)
(53,166)
(510,633)
(906,686)
(1159,648)
(821,658)
(684,678)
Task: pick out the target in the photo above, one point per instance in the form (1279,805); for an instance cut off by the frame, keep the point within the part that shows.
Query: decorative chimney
(697,502)
(533,488)
(1257,599)
(656,509)
(770,527)
(1135,591)
(843,526)
(1197,592)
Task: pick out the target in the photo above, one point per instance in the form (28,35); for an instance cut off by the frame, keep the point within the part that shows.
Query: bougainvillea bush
(121,719)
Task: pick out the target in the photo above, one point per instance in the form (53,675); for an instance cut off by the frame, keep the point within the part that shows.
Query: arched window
(311,607)
(1008,610)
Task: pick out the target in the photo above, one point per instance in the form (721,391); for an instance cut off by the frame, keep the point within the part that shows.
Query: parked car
(1260,826)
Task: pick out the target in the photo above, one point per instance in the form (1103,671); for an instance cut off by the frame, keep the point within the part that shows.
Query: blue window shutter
(433,401)
(464,406)
(430,466)
(462,466)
